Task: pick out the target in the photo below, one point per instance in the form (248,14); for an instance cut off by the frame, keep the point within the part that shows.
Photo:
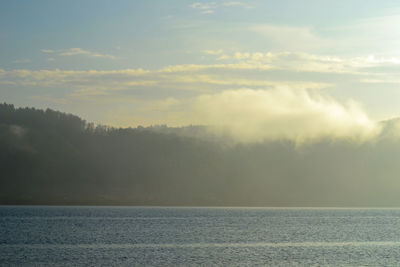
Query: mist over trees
(49,157)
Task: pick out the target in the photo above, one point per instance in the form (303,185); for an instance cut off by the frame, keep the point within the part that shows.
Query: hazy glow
(283,113)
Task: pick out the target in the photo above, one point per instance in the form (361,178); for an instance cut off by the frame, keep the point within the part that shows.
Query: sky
(260,69)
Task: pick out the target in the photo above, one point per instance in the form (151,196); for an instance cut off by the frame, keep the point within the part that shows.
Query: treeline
(49,157)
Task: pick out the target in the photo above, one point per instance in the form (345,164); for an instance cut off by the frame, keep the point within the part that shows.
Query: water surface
(115,236)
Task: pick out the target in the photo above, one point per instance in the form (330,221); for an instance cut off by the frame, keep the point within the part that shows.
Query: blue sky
(129,63)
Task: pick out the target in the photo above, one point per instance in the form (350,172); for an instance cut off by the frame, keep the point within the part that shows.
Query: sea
(187,236)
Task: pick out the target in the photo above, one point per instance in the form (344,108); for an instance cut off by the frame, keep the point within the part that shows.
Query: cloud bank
(282,113)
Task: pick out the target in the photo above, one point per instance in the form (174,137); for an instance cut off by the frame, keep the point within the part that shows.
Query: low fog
(307,151)
(298,115)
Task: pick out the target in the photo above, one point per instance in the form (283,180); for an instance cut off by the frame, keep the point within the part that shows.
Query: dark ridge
(52,158)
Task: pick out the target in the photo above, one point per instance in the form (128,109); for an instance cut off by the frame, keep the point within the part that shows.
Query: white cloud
(223,57)
(300,115)
(243,69)
(213,52)
(236,3)
(101,81)
(305,62)
(205,8)
(239,55)
(207,79)
(47,51)
(230,66)
(210,7)
(76,52)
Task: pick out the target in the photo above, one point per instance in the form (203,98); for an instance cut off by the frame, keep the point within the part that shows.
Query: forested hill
(49,157)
